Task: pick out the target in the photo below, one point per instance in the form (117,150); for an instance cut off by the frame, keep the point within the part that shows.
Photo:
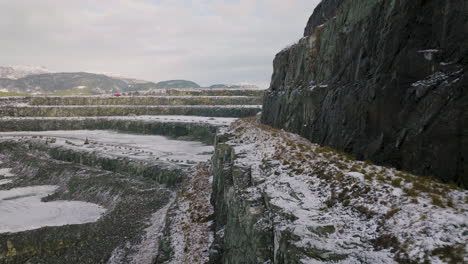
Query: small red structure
(117,95)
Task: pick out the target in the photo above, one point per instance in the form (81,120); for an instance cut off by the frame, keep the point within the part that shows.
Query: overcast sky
(207,41)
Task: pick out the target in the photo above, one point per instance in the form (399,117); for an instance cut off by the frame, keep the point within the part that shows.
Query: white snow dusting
(191,234)
(149,247)
(348,208)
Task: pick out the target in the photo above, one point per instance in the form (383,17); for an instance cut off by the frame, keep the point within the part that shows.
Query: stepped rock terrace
(124,160)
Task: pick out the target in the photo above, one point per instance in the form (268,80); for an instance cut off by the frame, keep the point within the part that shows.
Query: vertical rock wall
(383,80)
(243,232)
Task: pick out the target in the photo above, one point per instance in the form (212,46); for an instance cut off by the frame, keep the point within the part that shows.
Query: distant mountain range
(39,80)
(177,84)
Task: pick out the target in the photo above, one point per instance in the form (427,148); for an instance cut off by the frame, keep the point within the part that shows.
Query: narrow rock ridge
(383,80)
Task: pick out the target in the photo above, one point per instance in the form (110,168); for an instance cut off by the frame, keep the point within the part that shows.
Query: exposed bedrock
(243,229)
(383,80)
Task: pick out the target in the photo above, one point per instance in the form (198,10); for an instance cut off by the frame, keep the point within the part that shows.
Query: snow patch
(6,172)
(22,209)
(5,181)
(431,80)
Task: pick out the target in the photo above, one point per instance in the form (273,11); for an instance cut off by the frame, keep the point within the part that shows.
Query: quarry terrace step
(162,162)
(134,100)
(197,128)
(130,193)
(219,121)
(202,92)
(128,110)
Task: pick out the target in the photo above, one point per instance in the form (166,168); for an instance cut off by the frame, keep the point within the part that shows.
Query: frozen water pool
(21,209)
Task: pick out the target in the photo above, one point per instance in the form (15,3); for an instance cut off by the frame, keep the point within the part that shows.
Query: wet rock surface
(383,80)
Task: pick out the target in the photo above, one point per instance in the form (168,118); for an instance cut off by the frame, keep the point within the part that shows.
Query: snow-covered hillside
(20,71)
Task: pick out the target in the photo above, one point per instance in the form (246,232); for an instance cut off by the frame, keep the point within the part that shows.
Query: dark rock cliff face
(383,80)
(243,234)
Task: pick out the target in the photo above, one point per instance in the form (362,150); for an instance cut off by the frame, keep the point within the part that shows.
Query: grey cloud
(209,41)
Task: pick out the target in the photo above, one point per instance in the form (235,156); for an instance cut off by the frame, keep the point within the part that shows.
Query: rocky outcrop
(243,232)
(382,80)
